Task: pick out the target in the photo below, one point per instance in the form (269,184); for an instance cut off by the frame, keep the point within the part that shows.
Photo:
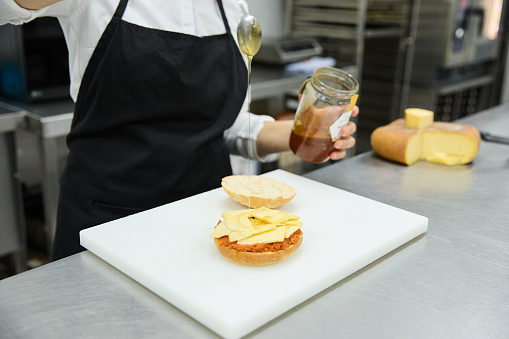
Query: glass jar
(328,98)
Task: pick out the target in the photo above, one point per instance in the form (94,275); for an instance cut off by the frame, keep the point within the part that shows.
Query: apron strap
(100,48)
(112,26)
(225,21)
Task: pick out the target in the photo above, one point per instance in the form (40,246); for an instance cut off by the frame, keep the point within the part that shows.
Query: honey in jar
(325,107)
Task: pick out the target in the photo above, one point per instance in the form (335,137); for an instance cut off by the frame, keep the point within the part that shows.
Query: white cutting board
(168,250)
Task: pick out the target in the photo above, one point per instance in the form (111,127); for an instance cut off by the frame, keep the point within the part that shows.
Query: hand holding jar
(326,105)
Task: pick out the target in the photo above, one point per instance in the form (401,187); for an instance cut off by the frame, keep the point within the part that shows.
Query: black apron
(148,124)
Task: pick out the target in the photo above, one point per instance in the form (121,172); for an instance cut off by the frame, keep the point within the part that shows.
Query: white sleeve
(12,13)
(241,137)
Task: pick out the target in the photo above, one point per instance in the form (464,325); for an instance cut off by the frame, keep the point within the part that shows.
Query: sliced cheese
(290,230)
(262,238)
(236,235)
(418,118)
(220,230)
(261,225)
(276,235)
(244,224)
(264,228)
(232,214)
(231,224)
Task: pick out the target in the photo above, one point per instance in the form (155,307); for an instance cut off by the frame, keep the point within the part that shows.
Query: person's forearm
(274,137)
(35,4)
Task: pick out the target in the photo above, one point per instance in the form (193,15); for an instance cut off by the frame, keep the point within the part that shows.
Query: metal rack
(339,26)
(385,52)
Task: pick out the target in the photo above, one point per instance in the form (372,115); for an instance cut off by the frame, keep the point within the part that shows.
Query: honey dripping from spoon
(249,36)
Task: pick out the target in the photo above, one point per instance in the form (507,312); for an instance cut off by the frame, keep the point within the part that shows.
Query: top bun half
(256,191)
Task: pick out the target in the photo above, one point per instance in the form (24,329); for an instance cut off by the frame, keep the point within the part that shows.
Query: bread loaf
(256,191)
(441,142)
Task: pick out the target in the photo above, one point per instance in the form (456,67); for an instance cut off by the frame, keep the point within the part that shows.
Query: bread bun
(256,191)
(242,254)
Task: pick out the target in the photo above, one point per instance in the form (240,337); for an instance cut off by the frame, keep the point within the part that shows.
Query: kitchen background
(449,56)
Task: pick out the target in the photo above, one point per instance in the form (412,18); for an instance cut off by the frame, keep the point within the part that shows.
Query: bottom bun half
(238,256)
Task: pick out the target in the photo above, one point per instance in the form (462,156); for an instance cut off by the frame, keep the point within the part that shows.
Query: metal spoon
(249,35)
(249,32)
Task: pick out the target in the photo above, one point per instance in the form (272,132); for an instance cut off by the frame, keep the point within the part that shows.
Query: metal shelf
(369,33)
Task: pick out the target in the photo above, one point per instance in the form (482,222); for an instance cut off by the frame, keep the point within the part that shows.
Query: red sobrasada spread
(261,248)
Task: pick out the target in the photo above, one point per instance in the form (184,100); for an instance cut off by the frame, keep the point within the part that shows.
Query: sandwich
(257,237)
(260,235)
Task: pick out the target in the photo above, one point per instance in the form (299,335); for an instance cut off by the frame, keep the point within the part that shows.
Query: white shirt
(83,22)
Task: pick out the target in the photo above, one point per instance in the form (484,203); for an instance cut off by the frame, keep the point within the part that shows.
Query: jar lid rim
(338,73)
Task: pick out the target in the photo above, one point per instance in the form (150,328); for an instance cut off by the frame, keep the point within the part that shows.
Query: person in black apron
(148,124)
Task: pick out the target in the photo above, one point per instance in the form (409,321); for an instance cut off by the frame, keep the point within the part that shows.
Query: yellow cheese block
(418,118)
(444,143)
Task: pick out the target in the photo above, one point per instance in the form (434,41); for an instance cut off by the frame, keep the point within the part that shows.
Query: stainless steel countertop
(452,282)
(47,120)
(11,118)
